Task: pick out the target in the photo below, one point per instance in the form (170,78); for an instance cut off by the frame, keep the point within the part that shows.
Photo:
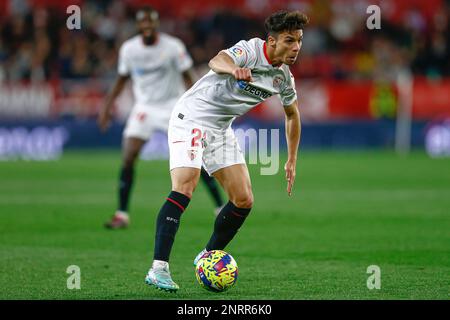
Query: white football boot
(159,276)
(199,256)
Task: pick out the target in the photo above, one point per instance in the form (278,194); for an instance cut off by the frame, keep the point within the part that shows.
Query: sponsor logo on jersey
(252,90)
(237,52)
(152,69)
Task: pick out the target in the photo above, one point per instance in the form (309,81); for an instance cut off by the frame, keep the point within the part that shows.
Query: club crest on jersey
(192,154)
(237,52)
(277,81)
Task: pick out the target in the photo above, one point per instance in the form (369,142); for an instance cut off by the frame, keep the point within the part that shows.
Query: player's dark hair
(152,12)
(285,21)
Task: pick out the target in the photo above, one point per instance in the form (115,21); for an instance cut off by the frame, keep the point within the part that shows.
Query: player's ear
(271,41)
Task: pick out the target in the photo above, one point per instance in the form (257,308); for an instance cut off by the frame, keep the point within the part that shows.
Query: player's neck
(269,53)
(149,41)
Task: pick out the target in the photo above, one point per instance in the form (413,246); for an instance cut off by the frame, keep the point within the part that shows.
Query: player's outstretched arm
(293,132)
(223,64)
(104,116)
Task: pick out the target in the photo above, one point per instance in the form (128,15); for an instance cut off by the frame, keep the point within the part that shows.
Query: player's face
(288,45)
(148,26)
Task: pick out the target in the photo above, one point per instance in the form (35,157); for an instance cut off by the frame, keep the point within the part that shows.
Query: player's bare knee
(244,200)
(186,188)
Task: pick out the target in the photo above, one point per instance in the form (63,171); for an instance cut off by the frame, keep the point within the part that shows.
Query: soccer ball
(216,271)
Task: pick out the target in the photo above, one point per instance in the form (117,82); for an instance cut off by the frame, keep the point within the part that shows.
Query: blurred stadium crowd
(36,45)
(353,82)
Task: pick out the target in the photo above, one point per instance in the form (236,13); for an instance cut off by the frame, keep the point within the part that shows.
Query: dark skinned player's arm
(104,116)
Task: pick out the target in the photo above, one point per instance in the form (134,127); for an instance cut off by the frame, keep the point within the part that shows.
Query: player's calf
(227,224)
(167,224)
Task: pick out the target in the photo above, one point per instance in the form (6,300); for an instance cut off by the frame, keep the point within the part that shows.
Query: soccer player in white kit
(160,69)
(200,133)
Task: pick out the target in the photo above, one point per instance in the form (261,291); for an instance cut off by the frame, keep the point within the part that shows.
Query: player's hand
(289,167)
(104,119)
(243,74)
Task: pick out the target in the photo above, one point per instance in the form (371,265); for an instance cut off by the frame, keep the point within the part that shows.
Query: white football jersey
(217,99)
(155,70)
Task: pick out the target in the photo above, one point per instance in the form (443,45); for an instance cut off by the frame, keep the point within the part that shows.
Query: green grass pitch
(349,210)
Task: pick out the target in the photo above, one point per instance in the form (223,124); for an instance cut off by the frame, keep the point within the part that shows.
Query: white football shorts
(145,119)
(193,145)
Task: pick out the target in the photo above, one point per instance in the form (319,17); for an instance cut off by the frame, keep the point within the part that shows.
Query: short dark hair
(154,15)
(285,21)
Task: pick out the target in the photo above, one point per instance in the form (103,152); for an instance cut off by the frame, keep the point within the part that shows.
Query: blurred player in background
(161,70)
(200,133)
